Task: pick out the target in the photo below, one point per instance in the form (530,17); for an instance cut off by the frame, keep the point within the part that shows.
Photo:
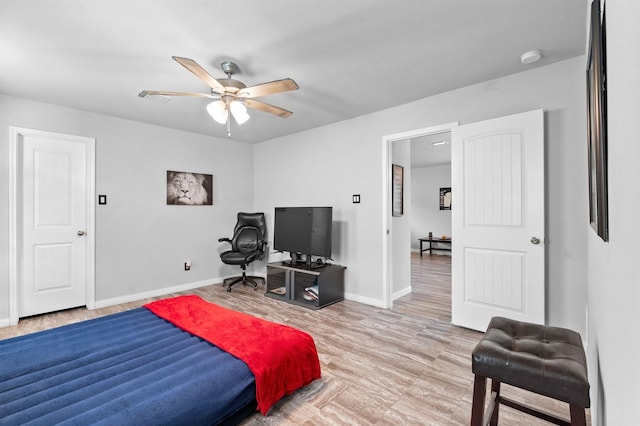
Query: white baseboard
(6,322)
(375,302)
(399,294)
(365,300)
(155,293)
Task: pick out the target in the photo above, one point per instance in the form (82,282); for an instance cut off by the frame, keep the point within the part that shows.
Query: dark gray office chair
(248,243)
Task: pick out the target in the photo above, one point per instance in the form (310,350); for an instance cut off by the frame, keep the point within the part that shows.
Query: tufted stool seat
(546,360)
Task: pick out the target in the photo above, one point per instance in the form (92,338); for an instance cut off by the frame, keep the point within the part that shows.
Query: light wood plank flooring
(430,296)
(404,366)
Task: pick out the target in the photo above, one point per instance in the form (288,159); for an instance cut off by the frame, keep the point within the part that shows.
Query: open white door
(498,259)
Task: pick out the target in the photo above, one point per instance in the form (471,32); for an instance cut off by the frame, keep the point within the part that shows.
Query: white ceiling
(431,150)
(349,57)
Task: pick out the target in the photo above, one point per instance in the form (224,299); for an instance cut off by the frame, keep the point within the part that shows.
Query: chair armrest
(220,240)
(262,246)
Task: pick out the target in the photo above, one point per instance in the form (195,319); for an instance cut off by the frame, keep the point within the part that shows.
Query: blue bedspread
(123,369)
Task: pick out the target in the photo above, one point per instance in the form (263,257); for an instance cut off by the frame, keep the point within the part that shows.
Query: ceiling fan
(232,96)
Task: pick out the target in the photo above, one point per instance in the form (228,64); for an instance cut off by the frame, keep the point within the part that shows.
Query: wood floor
(403,366)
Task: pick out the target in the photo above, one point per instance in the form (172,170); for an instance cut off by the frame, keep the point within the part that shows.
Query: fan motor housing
(231,85)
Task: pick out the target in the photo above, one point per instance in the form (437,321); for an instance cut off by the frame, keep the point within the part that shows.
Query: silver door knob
(535,240)
(80,233)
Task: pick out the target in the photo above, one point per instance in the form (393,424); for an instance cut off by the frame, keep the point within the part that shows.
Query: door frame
(387,141)
(16,214)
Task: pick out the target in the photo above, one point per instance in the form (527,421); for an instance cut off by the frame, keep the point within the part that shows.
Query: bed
(175,361)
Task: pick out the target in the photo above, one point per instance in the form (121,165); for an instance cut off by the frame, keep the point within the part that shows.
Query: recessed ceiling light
(531,56)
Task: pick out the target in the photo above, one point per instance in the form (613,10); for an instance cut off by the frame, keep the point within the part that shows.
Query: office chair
(248,243)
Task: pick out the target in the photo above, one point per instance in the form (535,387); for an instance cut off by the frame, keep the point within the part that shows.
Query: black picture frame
(445,198)
(397,190)
(189,188)
(597,122)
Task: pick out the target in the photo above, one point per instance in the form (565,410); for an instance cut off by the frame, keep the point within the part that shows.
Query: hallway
(430,296)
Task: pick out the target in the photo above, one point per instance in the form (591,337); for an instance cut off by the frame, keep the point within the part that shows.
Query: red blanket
(281,358)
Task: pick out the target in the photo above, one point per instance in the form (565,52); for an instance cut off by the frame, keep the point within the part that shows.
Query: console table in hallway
(431,242)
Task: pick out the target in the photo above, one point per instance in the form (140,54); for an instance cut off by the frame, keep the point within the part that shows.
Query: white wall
(324,167)
(425,204)
(400,226)
(614,267)
(141,243)
(328,164)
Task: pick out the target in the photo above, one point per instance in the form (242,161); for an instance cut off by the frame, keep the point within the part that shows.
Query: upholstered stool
(546,360)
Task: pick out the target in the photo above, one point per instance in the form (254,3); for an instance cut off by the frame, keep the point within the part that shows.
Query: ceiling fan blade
(200,72)
(271,109)
(278,86)
(145,93)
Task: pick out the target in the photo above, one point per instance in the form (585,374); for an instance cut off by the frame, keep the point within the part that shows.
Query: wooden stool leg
(479,392)
(495,388)
(577,415)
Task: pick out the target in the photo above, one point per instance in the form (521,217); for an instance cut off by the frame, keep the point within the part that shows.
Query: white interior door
(53,249)
(498,254)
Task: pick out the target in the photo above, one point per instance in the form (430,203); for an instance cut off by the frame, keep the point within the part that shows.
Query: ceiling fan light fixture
(239,112)
(233,95)
(218,111)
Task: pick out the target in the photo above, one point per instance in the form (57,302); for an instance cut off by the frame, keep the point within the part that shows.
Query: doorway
(498,220)
(430,206)
(397,230)
(52,245)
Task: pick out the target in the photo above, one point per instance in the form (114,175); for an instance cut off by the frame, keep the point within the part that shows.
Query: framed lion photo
(189,189)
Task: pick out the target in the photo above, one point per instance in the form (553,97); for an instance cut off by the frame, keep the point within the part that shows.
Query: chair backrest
(250,232)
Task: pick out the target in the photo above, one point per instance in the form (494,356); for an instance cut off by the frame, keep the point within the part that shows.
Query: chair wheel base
(247,280)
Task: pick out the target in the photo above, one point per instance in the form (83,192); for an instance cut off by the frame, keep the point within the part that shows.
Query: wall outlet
(187,265)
